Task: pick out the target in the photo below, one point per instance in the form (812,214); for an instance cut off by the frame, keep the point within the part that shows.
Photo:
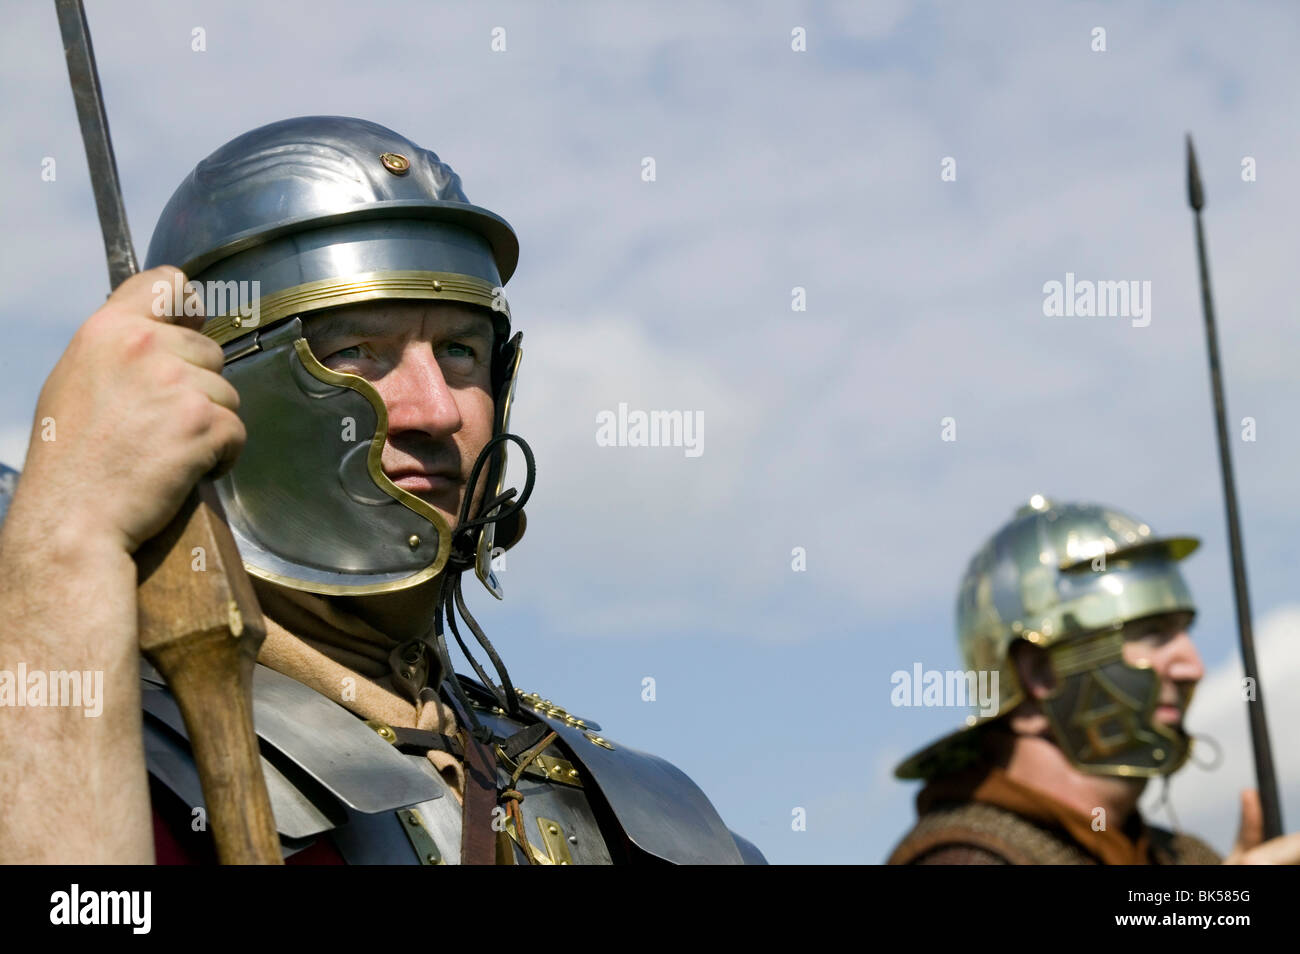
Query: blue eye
(470,353)
(343,352)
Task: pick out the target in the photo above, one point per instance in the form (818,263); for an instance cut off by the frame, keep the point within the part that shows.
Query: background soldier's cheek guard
(1102,711)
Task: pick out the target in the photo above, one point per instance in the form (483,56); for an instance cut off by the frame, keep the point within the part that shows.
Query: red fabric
(319,852)
(169,850)
(166,849)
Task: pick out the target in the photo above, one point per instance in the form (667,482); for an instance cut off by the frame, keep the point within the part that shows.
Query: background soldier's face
(1161,641)
(1164,642)
(431,364)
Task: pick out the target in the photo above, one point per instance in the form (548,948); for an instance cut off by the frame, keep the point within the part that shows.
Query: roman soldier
(1082,613)
(372,371)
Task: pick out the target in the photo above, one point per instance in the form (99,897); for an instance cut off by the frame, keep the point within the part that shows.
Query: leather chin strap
(424,660)
(462,558)
(421,663)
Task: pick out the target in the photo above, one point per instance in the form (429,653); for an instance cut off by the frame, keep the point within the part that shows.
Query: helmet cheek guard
(1102,711)
(317,435)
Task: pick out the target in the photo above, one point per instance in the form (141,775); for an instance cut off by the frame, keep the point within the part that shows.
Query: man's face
(1164,643)
(431,362)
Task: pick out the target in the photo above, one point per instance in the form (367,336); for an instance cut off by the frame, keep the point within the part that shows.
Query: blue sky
(777,169)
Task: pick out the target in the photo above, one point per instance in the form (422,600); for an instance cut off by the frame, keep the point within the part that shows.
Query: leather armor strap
(477,838)
(419,741)
(478,841)
(523,740)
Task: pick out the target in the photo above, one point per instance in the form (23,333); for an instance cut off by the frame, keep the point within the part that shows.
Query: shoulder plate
(679,825)
(339,776)
(381,806)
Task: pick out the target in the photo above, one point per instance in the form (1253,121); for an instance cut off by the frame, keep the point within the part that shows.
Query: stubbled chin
(447,505)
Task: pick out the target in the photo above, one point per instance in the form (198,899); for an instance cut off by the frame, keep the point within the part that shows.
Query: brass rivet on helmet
(437,285)
(412,541)
(395,163)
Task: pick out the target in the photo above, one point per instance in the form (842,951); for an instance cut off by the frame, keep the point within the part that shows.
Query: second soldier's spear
(1266,779)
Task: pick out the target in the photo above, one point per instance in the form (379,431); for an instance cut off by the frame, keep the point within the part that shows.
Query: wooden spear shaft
(199,622)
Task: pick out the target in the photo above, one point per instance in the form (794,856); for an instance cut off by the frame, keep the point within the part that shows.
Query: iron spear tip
(1195,194)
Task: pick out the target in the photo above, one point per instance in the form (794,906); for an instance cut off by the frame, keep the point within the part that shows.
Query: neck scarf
(346,660)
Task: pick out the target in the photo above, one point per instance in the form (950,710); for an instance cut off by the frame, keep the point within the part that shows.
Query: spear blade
(94,134)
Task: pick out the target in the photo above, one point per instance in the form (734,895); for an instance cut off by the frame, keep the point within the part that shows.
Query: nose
(416,394)
(1179,661)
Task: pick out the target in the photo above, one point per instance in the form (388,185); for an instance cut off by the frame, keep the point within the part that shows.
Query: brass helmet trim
(370,286)
(496,476)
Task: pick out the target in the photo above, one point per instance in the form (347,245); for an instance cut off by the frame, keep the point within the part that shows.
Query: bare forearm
(133,414)
(76,789)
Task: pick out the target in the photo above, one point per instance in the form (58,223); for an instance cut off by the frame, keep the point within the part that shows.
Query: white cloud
(636,519)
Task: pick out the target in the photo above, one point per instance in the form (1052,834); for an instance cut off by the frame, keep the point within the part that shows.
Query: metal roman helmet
(277,225)
(1071,578)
